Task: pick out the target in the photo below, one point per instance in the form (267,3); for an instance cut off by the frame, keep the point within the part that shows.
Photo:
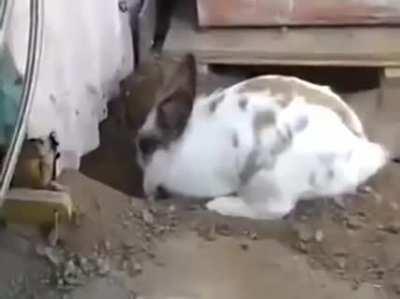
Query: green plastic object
(10,97)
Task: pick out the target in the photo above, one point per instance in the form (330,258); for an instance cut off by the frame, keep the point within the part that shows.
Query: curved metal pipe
(32,70)
(6,7)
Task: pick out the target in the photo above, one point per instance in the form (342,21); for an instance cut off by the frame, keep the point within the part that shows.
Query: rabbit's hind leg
(268,197)
(269,209)
(231,206)
(274,208)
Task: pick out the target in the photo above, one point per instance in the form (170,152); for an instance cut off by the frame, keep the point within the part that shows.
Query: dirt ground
(119,247)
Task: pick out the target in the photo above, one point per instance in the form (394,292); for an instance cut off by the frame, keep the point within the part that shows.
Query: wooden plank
(392,72)
(297,12)
(36,207)
(350,46)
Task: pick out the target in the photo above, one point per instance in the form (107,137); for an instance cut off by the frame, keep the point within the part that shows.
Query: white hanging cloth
(87,50)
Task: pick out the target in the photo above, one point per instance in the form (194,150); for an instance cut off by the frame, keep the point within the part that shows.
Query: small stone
(54,256)
(302,247)
(319,236)
(340,202)
(396,287)
(147,217)
(125,223)
(304,232)
(103,266)
(244,247)
(161,229)
(372,262)
(172,209)
(355,285)
(137,267)
(70,268)
(254,236)
(40,249)
(392,228)
(147,236)
(53,237)
(341,262)
(128,244)
(159,263)
(380,273)
(362,214)
(394,205)
(107,245)
(340,252)
(153,210)
(74,280)
(303,218)
(340,272)
(133,295)
(83,261)
(124,265)
(354,223)
(60,282)
(223,229)
(207,233)
(173,224)
(85,265)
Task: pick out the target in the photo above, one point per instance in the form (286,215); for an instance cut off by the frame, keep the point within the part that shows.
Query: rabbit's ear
(186,74)
(174,112)
(174,109)
(183,77)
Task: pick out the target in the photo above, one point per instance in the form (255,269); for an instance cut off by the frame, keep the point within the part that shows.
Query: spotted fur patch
(243,102)
(330,174)
(216,101)
(263,119)
(256,159)
(312,179)
(235,140)
(277,87)
(301,124)
(286,89)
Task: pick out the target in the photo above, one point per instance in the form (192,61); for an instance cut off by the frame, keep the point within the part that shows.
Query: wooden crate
(377,46)
(297,12)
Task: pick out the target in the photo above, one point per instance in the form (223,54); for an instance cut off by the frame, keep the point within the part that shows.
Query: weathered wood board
(343,46)
(297,12)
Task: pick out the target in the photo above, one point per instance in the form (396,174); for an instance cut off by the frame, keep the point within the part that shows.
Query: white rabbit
(271,141)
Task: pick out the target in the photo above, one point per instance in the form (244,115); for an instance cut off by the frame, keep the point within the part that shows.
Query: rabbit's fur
(146,87)
(270,140)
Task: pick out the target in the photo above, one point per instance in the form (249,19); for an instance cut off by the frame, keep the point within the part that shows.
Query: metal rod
(32,69)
